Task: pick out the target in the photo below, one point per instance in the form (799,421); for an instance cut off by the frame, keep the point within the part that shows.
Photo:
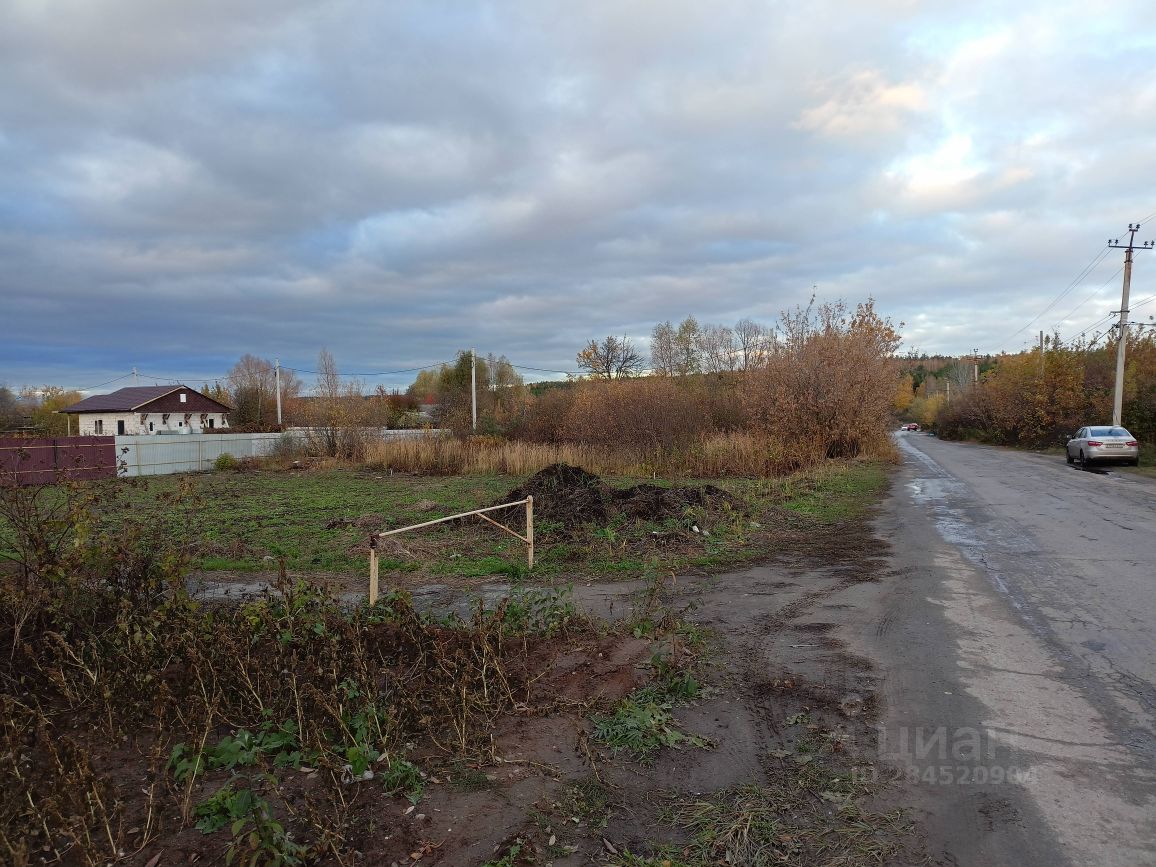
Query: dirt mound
(564,494)
(571,497)
(654,503)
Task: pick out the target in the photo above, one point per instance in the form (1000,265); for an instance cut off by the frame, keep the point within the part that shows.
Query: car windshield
(1108,432)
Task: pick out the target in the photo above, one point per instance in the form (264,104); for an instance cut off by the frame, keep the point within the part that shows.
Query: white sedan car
(1101,444)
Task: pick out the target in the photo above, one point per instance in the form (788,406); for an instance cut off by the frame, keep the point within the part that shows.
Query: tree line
(1039,400)
(680,350)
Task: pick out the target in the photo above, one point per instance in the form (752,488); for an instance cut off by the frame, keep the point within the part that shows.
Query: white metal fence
(145,455)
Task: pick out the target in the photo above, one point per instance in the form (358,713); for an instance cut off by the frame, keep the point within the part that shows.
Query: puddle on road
(944,496)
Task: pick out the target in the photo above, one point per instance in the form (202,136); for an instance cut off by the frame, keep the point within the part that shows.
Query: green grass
(837,493)
(245,522)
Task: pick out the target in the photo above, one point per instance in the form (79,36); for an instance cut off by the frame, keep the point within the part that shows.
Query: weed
(673,680)
(401,777)
(225,461)
(642,725)
(588,802)
(223,807)
(465,778)
(510,858)
(541,611)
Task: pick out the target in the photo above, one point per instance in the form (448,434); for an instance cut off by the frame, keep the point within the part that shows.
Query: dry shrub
(736,453)
(824,389)
(657,413)
(108,668)
(826,385)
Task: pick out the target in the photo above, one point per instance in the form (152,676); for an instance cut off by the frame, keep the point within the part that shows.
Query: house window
(150,427)
(98,426)
(120,427)
(211,425)
(180,424)
(182,397)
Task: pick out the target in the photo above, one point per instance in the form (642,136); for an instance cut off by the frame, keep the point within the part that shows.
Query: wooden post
(530,531)
(372,570)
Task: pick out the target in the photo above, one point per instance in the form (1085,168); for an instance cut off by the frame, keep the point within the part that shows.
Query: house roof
(132,398)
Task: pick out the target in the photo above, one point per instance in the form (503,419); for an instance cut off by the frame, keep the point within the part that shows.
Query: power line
(101,385)
(376,373)
(543,369)
(1087,269)
(1095,292)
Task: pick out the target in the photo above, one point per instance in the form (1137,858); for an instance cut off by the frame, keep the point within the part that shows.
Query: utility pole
(474,387)
(277,374)
(134,376)
(1121,346)
(975,367)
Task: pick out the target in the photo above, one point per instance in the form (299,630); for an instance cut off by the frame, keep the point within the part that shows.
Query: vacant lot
(318,522)
(698,710)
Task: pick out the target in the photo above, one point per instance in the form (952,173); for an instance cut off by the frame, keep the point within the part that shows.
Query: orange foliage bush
(823,388)
(1016,404)
(828,382)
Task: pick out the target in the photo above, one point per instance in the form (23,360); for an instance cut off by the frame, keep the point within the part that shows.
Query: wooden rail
(528,539)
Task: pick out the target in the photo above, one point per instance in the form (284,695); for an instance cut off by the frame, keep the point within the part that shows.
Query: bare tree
(664,349)
(338,412)
(613,358)
(753,342)
(717,349)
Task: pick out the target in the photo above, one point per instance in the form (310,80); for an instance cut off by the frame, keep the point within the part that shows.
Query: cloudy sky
(183,182)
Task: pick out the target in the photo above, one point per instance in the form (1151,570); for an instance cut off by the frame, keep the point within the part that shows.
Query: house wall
(137,423)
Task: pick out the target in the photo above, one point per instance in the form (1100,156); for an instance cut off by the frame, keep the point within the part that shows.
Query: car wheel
(1068,455)
(1134,463)
(1083,460)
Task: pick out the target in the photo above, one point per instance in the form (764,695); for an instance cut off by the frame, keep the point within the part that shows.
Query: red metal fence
(43,460)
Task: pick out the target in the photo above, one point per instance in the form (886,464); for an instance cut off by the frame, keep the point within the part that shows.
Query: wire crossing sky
(182,183)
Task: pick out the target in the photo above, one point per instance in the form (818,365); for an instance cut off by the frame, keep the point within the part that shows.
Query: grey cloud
(182,183)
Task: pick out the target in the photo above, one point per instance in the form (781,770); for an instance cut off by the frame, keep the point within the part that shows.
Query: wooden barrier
(528,539)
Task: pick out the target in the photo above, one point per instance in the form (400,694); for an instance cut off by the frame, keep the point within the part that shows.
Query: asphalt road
(1018,644)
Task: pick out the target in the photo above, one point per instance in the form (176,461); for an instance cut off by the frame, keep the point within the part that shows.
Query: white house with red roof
(149,409)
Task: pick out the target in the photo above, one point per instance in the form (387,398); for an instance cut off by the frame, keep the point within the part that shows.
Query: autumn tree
(688,347)
(613,358)
(676,351)
(904,393)
(9,409)
(253,391)
(42,405)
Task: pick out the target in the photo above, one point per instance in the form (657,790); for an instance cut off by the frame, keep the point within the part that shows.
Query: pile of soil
(573,498)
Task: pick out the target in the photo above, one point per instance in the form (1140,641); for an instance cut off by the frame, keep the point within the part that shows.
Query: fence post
(372,570)
(530,531)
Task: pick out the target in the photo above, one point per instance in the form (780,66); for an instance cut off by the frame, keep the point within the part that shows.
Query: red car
(912,426)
